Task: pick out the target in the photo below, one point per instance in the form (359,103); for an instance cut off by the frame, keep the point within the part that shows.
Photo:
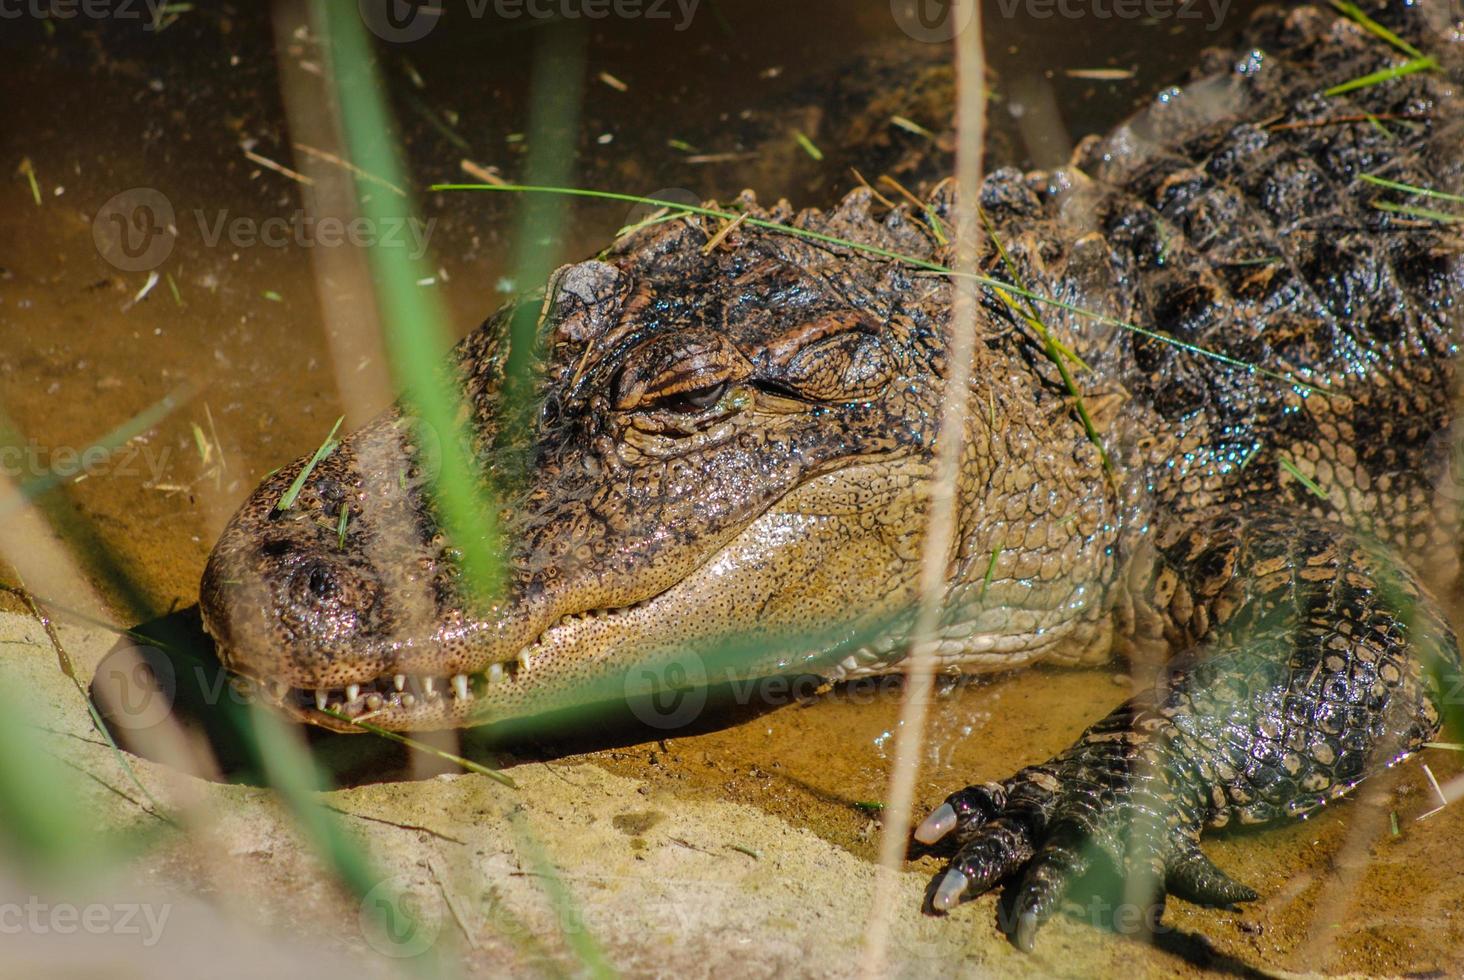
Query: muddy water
(236,329)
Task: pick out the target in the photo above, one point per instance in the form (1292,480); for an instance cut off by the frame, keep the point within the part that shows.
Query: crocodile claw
(1042,830)
(948,894)
(942,821)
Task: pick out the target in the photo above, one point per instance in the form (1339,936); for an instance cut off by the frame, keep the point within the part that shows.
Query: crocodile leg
(1308,661)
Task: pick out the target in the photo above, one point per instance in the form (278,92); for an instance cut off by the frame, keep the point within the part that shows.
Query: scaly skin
(737,445)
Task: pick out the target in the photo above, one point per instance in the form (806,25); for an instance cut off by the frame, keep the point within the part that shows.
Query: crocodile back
(1263,215)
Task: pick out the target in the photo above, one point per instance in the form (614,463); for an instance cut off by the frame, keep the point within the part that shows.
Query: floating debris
(332,158)
(278,168)
(721,235)
(807,144)
(28,171)
(1101,74)
(911,126)
(489,175)
(152,280)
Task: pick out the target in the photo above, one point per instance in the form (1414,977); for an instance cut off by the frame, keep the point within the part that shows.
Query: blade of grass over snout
(941,537)
(415,322)
(287,500)
(414,319)
(910,260)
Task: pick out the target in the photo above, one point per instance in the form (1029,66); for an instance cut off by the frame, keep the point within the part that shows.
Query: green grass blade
(1411,188)
(1303,479)
(287,500)
(1385,75)
(1413,211)
(1353,12)
(414,320)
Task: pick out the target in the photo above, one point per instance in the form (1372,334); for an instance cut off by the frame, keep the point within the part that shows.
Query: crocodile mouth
(412,701)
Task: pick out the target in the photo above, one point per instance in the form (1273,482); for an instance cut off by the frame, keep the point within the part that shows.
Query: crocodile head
(727,442)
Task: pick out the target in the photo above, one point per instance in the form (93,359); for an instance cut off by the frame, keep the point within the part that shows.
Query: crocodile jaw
(742,595)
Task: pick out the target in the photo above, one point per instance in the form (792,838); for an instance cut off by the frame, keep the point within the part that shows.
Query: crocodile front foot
(1043,828)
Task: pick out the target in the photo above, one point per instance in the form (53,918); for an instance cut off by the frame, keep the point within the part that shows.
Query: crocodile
(1214,450)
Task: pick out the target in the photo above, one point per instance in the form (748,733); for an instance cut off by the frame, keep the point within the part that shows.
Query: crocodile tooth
(495,673)
(428,685)
(374,702)
(321,699)
(460,686)
(353,691)
(278,689)
(409,700)
(523,660)
(399,681)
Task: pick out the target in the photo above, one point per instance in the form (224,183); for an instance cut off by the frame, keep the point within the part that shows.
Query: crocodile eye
(683,373)
(695,400)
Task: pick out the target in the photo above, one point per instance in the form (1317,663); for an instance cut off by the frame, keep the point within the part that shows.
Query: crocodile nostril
(322,583)
(274,549)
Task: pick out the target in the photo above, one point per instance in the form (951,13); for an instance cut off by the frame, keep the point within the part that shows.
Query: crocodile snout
(284,602)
